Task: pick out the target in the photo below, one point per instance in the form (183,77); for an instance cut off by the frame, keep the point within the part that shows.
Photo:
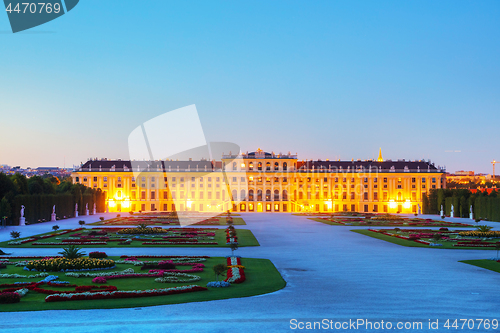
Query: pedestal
(93,211)
(22,221)
(52,217)
(451,214)
(76,213)
(442,213)
(87,212)
(471,216)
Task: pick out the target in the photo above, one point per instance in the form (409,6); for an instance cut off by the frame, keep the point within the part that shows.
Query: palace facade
(262,182)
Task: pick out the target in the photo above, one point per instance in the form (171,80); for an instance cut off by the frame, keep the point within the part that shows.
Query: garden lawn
(355,222)
(409,243)
(484,263)
(261,277)
(245,238)
(163,221)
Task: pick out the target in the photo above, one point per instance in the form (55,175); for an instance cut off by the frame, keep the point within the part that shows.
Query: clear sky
(325,79)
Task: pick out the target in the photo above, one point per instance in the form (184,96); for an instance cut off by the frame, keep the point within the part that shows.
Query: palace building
(262,182)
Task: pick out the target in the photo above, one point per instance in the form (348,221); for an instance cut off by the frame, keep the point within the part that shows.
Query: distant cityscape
(39,171)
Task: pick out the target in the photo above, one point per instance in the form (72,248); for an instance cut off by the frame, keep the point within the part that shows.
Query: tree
(218,270)
(15,234)
(483,228)
(72,252)
(81,222)
(5,211)
(233,247)
(55,227)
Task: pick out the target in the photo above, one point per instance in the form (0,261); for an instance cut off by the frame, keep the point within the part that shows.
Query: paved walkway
(330,272)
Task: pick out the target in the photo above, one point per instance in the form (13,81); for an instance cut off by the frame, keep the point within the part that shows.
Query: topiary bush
(97,254)
(9,297)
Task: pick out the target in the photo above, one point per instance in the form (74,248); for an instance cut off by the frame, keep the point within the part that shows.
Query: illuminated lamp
(126,203)
(407,204)
(392,204)
(111,203)
(188,204)
(242,165)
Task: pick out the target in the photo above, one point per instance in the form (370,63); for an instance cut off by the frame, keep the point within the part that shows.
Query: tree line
(484,206)
(40,193)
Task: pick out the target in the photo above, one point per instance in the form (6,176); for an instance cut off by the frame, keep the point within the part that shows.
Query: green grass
(245,238)
(484,263)
(408,243)
(383,223)
(261,277)
(389,239)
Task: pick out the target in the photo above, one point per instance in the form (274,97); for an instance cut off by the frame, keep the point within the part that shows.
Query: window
(365,180)
(133,195)
(259,166)
(165,195)
(385,180)
(143,195)
(423,185)
(152,179)
(153,195)
(353,208)
(242,179)
(375,180)
(336,179)
(414,196)
(95,179)
(413,186)
(344,195)
(143,179)
(325,179)
(106,179)
(423,180)
(375,195)
(433,180)
(133,185)
(173,179)
(285,166)
(119,185)
(385,208)
(84,179)
(209,195)
(386,195)
(250,166)
(344,179)
(353,195)
(276,166)
(365,196)
(234,179)
(217,195)
(366,208)
(234,165)
(413,180)
(400,186)
(375,208)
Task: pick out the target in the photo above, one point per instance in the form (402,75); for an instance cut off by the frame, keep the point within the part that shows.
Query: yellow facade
(263,182)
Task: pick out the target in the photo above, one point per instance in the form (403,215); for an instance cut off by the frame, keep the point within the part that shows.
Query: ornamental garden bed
(127,285)
(388,221)
(158,219)
(135,237)
(447,239)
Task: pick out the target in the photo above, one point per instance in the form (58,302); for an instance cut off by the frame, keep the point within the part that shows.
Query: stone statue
(53,215)
(442,212)
(419,210)
(22,210)
(452,213)
(54,209)
(87,206)
(471,215)
(76,207)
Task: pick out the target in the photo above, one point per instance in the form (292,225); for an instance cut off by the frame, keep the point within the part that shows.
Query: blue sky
(325,79)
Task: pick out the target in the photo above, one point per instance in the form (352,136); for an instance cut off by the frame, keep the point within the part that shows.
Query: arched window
(250,195)
(268,195)
(259,195)
(268,166)
(276,195)
(295,195)
(400,197)
(285,166)
(276,166)
(259,166)
(242,195)
(119,194)
(234,165)
(301,195)
(235,195)
(284,195)
(250,166)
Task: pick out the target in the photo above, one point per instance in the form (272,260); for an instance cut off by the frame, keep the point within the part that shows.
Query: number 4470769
(34,8)
(471,324)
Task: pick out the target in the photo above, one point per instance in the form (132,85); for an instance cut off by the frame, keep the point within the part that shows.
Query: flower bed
(59,264)
(123,294)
